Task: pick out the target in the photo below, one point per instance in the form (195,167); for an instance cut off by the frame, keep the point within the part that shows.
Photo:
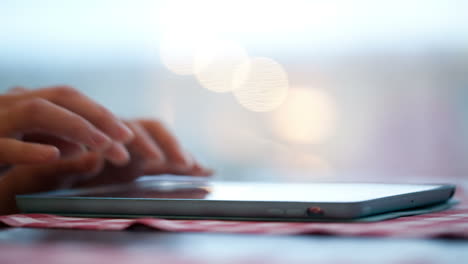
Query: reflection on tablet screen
(232,191)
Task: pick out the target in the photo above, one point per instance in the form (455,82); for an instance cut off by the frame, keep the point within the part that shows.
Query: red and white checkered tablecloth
(449,223)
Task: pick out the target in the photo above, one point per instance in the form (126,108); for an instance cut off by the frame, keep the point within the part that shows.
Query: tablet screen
(243,191)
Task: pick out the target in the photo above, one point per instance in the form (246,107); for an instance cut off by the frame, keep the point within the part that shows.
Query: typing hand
(153,150)
(57,138)
(42,125)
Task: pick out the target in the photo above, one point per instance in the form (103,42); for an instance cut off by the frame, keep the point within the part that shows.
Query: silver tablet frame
(216,209)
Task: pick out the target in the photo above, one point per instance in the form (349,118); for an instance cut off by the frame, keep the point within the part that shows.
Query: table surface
(139,245)
(142,245)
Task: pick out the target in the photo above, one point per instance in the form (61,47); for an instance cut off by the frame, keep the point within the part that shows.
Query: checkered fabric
(449,223)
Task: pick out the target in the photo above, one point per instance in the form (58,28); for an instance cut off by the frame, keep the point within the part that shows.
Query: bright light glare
(253,16)
(307,116)
(260,84)
(177,53)
(215,64)
(287,159)
(324,24)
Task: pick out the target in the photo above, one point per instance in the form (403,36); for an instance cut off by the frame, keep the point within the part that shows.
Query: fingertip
(204,172)
(121,132)
(100,141)
(125,134)
(72,151)
(38,153)
(208,172)
(118,155)
(49,153)
(199,170)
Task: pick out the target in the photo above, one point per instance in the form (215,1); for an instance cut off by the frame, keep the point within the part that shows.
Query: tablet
(192,198)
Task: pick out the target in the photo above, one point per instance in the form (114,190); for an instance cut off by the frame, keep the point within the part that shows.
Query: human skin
(56,137)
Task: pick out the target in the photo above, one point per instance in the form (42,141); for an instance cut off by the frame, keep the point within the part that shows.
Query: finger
(82,105)
(13,151)
(169,145)
(39,178)
(117,154)
(143,145)
(38,115)
(60,174)
(199,170)
(67,148)
(11,97)
(195,170)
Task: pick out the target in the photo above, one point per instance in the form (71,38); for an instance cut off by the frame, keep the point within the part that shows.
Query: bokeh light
(215,63)
(307,116)
(260,84)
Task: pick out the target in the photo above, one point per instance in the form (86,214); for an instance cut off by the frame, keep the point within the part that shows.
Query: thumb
(39,178)
(60,174)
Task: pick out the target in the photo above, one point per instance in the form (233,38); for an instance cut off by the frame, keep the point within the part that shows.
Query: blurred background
(265,90)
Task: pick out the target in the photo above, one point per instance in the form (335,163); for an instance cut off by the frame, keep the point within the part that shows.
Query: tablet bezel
(216,209)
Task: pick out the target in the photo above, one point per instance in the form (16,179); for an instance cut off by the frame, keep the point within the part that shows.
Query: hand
(38,126)
(153,150)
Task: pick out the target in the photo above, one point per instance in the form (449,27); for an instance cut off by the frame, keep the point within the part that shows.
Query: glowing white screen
(189,188)
(319,192)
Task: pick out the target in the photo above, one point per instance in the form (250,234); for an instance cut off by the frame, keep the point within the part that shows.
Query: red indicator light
(315,211)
